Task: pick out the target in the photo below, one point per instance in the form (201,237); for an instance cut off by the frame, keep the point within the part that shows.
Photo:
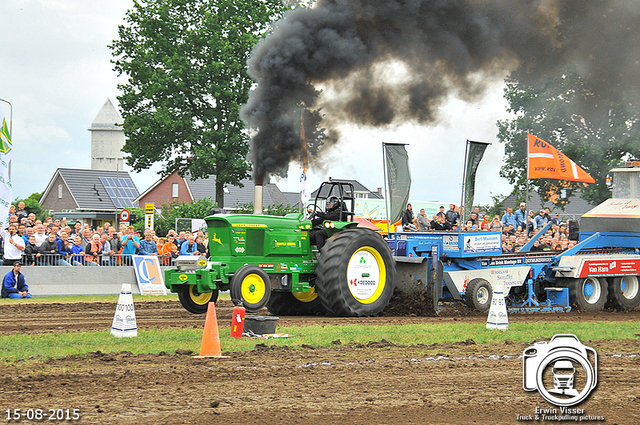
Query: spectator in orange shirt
(165,252)
(486,224)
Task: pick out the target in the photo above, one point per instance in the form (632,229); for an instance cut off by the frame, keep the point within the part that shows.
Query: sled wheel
(295,304)
(478,294)
(624,292)
(196,302)
(355,274)
(588,294)
(252,286)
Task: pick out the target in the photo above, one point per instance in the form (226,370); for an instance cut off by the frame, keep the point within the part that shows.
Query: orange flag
(547,162)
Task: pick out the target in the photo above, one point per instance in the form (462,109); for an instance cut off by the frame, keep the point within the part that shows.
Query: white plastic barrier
(60,280)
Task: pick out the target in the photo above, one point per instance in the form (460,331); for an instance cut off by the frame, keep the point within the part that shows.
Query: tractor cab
(331,190)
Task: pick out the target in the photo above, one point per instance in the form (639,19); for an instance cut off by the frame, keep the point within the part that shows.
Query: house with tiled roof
(360,191)
(183,189)
(574,209)
(90,196)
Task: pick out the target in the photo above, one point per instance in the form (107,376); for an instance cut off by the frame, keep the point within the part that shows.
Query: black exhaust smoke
(385,62)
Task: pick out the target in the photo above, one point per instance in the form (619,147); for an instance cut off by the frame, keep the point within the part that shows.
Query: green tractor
(272,261)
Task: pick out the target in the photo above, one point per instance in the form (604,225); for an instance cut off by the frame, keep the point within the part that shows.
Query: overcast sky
(56,72)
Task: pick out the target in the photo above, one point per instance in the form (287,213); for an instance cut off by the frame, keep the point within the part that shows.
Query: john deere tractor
(270,261)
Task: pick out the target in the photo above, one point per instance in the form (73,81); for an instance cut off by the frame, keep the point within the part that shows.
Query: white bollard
(124,321)
(498,318)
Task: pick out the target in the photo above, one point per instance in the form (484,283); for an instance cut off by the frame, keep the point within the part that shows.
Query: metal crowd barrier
(117,260)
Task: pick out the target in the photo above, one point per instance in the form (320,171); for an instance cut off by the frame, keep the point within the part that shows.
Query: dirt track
(368,384)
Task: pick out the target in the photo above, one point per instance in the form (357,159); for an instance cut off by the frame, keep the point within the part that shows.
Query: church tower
(107,139)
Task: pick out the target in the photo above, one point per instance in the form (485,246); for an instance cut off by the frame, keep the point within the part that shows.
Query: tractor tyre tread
(192,307)
(332,286)
(471,297)
(577,298)
(617,297)
(236,287)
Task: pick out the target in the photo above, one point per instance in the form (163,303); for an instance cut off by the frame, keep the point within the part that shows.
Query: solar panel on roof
(122,191)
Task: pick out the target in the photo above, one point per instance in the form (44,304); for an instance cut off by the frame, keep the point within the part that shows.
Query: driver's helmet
(333,203)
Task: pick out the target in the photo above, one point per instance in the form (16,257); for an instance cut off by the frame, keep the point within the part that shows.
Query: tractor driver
(318,233)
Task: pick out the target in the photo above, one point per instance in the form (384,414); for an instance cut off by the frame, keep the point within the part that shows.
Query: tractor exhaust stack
(257,197)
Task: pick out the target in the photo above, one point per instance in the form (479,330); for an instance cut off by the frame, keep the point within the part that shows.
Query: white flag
(6,152)
(305,192)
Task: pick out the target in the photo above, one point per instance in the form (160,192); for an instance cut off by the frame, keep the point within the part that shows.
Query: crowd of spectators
(516,228)
(56,242)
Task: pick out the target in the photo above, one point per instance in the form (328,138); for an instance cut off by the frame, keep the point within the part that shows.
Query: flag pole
(386,193)
(526,195)
(305,159)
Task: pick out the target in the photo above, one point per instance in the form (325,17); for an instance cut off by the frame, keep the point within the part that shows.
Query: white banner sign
(482,242)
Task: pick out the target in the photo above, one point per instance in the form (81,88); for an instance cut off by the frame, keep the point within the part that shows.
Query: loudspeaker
(574,230)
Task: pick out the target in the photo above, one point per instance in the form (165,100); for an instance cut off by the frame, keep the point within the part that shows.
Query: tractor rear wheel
(624,292)
(355,274)
(252,286)
(479,294)
(196,302)
(295,304)
(588,294)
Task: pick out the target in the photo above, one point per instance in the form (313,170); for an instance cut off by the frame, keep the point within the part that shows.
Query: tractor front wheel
(295,304)
(355,274)
(252,286)
(196,302)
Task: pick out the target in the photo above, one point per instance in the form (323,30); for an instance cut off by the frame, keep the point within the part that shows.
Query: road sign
(149,209)
(149,222)
(124,215)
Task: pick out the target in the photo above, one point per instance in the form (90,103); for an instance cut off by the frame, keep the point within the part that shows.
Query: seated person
(438,223)
(408,220)
(14,285)
(318,234)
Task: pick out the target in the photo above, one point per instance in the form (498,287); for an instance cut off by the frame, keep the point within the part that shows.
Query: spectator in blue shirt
(77,252)
(521,215)
(509,218)
(130,245)
(147,245)
(541,219)
(190,247)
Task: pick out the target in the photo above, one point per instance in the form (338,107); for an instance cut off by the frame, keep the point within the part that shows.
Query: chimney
(257,197)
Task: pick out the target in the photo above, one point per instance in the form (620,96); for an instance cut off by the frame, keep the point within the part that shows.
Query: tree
(177,209)
(596,132)
(199,209)
(187,78)
(32,205)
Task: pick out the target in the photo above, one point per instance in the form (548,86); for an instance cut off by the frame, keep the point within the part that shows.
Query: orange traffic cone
(210,346)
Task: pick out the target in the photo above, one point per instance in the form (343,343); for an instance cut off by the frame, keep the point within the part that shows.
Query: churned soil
(374,383)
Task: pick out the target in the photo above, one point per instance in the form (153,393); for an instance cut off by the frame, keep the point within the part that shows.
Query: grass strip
(98,299)
(17,347)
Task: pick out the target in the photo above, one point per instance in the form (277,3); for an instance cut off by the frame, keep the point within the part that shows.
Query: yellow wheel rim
(198,298)
(366,275)
(253,289)
(306,297)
